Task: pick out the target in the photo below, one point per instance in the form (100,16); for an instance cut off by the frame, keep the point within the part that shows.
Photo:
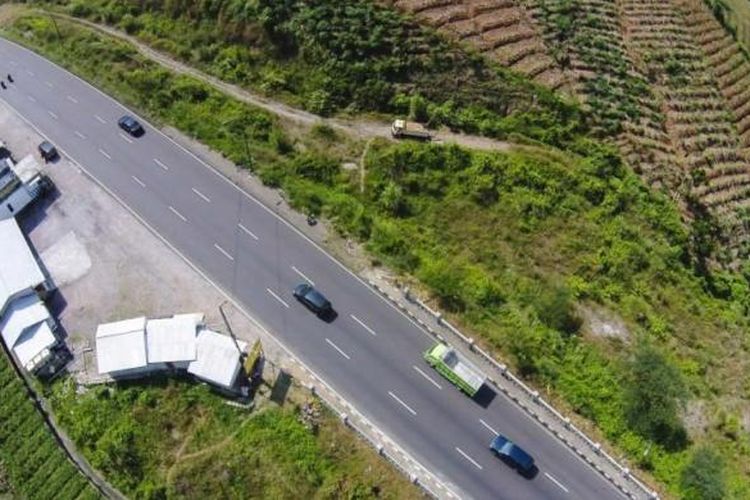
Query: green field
(517,247)
(32,462)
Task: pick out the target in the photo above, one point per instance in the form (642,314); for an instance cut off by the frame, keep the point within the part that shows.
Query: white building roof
(27,168)
(33,346)
(172,339)
(21,314)
(217,360)
(121,345)
(19,269)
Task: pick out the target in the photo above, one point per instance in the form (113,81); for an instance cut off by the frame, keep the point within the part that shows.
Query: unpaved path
(362,129)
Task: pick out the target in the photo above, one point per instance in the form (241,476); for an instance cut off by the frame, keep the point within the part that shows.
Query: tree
(654,393)
(703,478)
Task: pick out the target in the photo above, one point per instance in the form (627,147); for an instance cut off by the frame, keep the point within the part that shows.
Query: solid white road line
(467,457)
(369,330)
(156,160)
(138,181)
(402,403)
(303,276)
(105,154)
(178,214)
(226,254)
(202,196)
(72,99)
(80,135)
(558,483)
(126,138)
(252,235)
(100,119)
(337,348)
(53,115)
(427,377)
(488,427)
(277,297)
(31,98)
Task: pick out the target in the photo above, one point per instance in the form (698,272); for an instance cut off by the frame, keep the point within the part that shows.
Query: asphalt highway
(371,353)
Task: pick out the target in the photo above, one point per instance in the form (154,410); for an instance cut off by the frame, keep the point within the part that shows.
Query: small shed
(121,348)
(217,359)
(173,340)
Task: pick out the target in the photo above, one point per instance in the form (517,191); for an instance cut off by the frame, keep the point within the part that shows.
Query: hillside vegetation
(518,247)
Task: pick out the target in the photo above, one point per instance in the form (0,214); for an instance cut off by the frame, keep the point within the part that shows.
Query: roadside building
(20,184)
(170,342)
(218,359)
(26,324)
(121,348)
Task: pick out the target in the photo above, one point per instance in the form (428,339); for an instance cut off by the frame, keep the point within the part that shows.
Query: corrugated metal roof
(21,314)
(172,340)
(217,359)
(19,269)
(121,345)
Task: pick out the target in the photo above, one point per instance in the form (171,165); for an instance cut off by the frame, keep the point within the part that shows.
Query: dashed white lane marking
(30,73)
(202,196)
(402,403)
(330,343)
(277,297)
(53,115)
(558,483)
(246,230)
(156,160)
(49,84)
(178,214)
(80,135)
(467,457)
(126,138)
(427,377)
(72,99)
(369,330)
(226,254)
(105,154)
(487,426)
(303,276)
(138,181)
(31,98)
(100,119)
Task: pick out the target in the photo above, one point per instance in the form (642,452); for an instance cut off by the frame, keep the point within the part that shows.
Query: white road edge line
(558,483)
(105,154)
(72,99)
(80,135)
(53,115)
(100,119)
(277,298)
(178,214)
(202,196)
(467,457)
(402,403)
(201,272)
(487,426)
(226,254)
(330,343)
(252,235)
(427,377)
(156,160)
(31,98)
(138,181)
(370,330)
(303,276)
(126,138)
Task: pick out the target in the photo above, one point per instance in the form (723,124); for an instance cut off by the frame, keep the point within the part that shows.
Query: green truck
(454,366)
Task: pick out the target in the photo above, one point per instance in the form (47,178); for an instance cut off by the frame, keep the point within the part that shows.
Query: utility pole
(231,333)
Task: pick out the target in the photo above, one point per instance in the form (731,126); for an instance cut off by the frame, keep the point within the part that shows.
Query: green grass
(175,438)
(509,244)
(33,464)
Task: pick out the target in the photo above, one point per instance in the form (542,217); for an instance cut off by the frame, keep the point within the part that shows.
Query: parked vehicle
(131,126)
(400,129)
(312,299)
(456,368)
(47,151)
(513,455)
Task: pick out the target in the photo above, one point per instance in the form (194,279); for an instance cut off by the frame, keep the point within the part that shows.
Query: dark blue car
(313,299)
(513,455)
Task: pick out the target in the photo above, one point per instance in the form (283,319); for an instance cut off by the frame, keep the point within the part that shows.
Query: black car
(513,455)
(48,151)
(131,126)
(312,299)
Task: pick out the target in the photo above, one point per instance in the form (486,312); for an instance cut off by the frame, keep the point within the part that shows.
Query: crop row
(499,28)
(35,464)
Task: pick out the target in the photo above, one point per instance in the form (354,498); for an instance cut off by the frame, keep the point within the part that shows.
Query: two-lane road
(371,354)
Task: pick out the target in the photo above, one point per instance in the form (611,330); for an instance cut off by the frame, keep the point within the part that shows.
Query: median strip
(402,403)
(330,342)
(467,457)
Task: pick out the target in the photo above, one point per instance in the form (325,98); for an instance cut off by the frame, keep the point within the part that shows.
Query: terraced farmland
(499,28)
(36,466)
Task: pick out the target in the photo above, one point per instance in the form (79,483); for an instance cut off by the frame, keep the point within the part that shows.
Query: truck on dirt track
(455,367)
(400,129)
